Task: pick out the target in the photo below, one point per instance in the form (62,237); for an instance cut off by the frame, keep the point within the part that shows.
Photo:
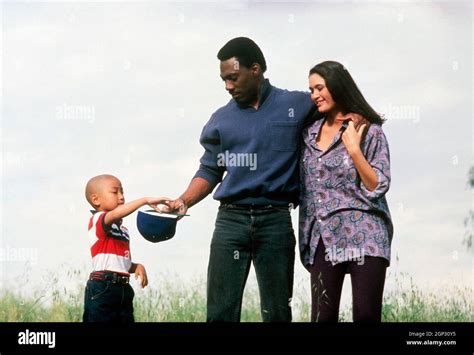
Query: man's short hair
(245,51)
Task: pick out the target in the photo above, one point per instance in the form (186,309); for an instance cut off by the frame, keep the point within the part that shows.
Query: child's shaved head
(96,184)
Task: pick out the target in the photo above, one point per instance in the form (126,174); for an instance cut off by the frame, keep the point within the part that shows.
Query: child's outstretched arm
(130,207)
(140,272)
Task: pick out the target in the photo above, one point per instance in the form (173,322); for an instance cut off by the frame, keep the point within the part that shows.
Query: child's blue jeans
(108,302)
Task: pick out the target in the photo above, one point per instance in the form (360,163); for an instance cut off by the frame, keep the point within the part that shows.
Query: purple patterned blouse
(334,203)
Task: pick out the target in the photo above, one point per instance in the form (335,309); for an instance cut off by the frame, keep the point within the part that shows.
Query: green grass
(174,301)
(411,304)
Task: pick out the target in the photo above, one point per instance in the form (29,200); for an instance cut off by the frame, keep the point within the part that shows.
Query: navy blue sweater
(257,149)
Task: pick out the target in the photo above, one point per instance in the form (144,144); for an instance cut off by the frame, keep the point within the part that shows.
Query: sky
(126,87)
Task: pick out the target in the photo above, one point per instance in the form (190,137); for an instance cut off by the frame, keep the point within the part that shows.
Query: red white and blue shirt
(110,245)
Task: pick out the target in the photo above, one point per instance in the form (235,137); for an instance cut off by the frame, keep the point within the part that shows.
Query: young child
(108,295)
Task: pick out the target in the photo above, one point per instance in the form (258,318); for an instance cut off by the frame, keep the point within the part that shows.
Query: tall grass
(175,301)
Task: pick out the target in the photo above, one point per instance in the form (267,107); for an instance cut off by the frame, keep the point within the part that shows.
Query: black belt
(256,207)
(109,276)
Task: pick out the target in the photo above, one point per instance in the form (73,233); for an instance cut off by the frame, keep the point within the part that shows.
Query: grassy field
(174,301)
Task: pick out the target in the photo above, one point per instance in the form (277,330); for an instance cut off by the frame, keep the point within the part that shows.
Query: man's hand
(175,206)
(153,202)
(140,272)
(196,191)
(352,138)
(358,120)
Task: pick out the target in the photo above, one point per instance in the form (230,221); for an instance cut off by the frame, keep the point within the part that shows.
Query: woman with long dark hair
(345,223)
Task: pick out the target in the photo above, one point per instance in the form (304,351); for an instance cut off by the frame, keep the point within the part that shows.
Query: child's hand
(153,202)
(140,272)
(176,206)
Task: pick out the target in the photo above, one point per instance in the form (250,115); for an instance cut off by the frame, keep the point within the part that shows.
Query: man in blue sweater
(255,140)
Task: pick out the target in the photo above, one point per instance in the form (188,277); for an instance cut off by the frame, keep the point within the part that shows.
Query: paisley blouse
(334,203)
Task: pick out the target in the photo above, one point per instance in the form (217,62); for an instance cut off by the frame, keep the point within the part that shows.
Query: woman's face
(320,93)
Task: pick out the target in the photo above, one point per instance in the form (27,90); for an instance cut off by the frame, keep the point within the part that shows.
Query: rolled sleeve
(208,174)
(210,140)
(378,156)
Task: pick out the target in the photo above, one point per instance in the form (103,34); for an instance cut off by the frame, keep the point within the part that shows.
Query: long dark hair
(344,90)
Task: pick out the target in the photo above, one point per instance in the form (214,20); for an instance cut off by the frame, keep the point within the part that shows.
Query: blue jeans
(108,302)
(242,235)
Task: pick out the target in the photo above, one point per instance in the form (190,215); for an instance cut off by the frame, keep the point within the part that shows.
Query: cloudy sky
(125,88)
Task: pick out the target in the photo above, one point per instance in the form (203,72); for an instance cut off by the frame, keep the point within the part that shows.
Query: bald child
(108,295)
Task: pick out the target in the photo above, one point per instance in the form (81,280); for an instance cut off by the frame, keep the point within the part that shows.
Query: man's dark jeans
(242,235)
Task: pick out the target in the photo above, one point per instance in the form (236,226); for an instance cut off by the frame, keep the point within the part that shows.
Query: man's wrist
(184,200)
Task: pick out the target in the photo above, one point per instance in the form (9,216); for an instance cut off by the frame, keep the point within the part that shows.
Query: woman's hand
(352,138)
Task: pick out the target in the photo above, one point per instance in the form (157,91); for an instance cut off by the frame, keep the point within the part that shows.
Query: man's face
(241,82)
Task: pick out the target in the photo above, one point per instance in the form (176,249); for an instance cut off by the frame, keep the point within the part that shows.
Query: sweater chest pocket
(284,136)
